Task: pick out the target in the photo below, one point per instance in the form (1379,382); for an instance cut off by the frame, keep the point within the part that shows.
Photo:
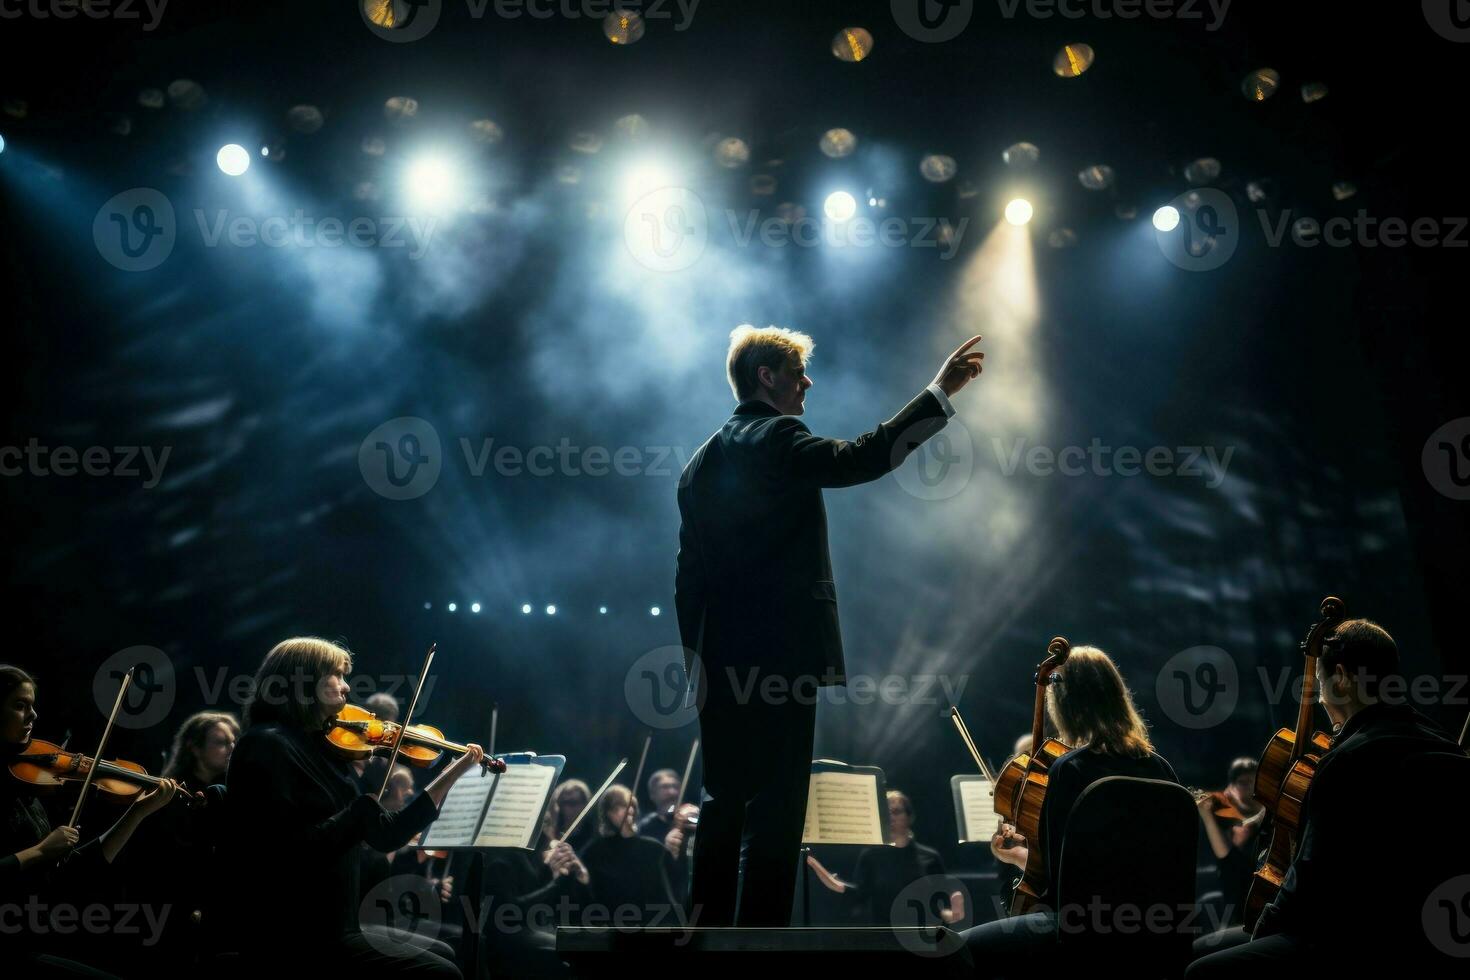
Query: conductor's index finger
(966,345)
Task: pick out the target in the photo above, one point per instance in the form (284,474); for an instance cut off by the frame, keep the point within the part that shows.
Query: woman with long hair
(296,819)
(1092,710)
(38,861)
(200,753)
(629,872)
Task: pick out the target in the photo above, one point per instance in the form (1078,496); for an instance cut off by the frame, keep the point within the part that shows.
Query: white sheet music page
(842,808)
(459,817)
(515,810)
(977,800)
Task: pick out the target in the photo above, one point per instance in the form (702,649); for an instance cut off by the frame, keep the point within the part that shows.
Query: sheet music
(514,816)
(842,808)
(977,803)
(459,817)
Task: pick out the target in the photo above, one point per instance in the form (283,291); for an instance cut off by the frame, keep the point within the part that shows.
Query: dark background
(263,370)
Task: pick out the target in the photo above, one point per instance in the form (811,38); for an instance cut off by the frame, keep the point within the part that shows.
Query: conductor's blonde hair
(752,348)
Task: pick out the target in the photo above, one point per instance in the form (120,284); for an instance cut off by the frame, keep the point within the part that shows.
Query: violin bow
(494,723)
(122,692)
(638,776)
(407,718)
(684,783)
(595,797)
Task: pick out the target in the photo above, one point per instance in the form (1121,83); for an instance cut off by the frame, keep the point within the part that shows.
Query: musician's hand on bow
(960,368)
(674,842)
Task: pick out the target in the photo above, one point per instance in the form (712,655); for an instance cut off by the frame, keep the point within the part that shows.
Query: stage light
(654,611)
(453,607)
(1166,218)
(526,608)
(233,159)
(840,206)
(2,144)
(602,610)
(428,605)
(474,607)
(551,610)
(432,183)
(645,177)
(1018,212)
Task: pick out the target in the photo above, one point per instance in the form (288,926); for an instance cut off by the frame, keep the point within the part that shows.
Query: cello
(1287,766)
(1020,787)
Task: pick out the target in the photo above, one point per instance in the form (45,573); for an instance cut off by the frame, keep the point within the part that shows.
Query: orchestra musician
(1092,709)
(533,893)
(756,603)
(1235,842)
(568,799)
(296,819)
(1344,901)
(663,793)
(48,865)
(882,873)
(629,872)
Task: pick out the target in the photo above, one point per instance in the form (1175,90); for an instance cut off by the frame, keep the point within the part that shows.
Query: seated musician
(882,873)
(1235,843)
(568,799)
(675,835)
(629,872)
(44,865)
(526,897)
(1341,901)
(296,818)
(1093,711)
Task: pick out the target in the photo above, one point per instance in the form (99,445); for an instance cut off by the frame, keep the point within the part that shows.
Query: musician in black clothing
(1235,844)
(568,799)
(663,793)
(44,865)
(757,605)
(526,896)
(883,872)
(629,872)
(1341,903)
(296,818)
(1092,709)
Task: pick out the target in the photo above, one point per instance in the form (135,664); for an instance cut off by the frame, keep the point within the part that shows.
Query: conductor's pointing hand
(960,368)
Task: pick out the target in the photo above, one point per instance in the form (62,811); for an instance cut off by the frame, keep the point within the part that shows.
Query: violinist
(628,871)
(1092,709)
(536,892)
(42,863)
(1341,901)
(663,792)
(568,799)
(1232,820)
(672,830)
(296,820)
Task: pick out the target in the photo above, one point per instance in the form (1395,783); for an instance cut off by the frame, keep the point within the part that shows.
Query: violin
(1287,766)
(357,733)
(1020,787)
(47,765)
(1220,806)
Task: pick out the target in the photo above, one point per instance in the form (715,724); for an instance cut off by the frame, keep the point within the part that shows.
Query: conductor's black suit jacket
(753,587)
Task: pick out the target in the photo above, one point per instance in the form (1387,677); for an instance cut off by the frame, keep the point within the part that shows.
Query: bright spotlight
(1018,212)
(654,611)
(645,178)
(526,608)
(233,159)
(428,605)
(1166,218)
(551,610)
(432,183)
(840,206)
(474,607)
(602,610)
(453,607)
(2,144)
